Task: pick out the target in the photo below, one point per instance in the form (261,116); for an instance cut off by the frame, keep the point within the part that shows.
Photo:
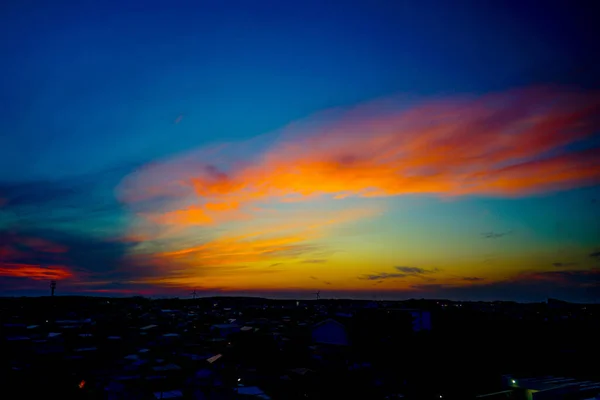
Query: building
(224,330)
(421,320)
(331,332)
(552,388)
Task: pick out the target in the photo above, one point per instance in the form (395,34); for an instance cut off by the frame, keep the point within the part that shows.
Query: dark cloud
(35,193)
(595,254)
(64,190)
(314,261)
(317,279)
(382,276)
(563,264)
(430,286)
(472,279)
(274,265)
(80,261)
(404,272)
(573,285)
(568,277)
(416,270)
(30,248)
(489,259)
(495,235)
(63,202)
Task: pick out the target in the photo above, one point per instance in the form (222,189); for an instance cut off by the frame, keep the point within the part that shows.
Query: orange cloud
(503,144)
(36,272)
(238,250)
(286,240)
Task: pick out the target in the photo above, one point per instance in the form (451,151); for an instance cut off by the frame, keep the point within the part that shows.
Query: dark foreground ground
(247,348)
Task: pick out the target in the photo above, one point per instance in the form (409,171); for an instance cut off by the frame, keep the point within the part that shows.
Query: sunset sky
(371,149)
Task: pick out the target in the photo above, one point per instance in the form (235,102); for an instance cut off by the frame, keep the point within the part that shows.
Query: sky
(363,149)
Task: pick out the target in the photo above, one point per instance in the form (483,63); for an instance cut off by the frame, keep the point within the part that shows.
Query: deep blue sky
(95,83)
(90,90)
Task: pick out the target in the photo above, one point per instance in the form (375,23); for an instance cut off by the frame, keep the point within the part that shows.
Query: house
(330,332)
(169,394)
(421,320)
(147,327)
(224,330)
(252,392)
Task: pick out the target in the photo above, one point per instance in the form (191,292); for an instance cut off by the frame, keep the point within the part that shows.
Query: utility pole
(52,287)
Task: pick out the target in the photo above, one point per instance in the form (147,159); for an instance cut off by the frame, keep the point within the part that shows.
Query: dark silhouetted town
(252,348)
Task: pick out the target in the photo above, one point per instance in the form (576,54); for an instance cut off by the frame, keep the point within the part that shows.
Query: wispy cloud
(382,276)
(404,272)
(489,259)
(495,235)
(253,248)
(36,272)
(288,240)
(563,264)
(314,278)
(473,279)
(416,270)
